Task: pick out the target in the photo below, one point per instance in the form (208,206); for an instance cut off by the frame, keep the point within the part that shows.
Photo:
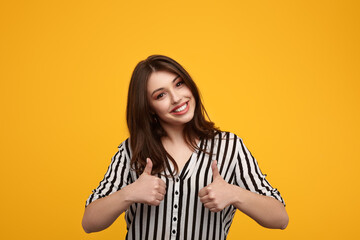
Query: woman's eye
(160,96)
(179,83)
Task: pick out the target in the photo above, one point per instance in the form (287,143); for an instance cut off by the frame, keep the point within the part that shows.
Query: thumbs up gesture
(148,189)
(217,195)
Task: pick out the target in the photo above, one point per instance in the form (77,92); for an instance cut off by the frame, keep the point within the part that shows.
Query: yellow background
(283,75)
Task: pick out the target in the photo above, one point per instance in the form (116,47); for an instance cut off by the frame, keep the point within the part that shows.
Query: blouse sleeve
(116,177)
(249,176)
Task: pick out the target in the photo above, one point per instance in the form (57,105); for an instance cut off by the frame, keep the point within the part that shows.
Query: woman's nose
(175,97)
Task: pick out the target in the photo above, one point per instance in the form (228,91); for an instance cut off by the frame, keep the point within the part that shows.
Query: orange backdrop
(283,75)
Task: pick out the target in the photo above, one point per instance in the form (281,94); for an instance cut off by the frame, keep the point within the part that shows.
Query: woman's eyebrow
(176,78)
(159,89)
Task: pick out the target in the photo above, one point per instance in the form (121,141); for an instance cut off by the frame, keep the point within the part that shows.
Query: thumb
(215,169)
(148,167)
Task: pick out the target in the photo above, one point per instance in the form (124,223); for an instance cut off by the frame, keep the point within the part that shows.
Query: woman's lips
(181,109)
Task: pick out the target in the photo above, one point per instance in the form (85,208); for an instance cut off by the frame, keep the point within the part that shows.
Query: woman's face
(170,99)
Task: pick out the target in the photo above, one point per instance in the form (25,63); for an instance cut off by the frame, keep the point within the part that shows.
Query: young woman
(178,176)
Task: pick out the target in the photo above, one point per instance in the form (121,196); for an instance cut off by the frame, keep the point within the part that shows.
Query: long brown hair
(146,131)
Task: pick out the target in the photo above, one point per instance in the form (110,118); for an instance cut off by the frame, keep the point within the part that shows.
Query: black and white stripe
(181,215)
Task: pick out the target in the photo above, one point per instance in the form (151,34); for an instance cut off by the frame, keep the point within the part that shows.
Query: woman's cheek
(188,92)
(162,107)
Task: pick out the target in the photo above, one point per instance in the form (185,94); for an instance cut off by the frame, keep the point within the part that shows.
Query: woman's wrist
(126,194)
(239,196)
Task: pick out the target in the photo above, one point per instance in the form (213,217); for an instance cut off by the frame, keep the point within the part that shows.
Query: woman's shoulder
(125,144)
(225,135)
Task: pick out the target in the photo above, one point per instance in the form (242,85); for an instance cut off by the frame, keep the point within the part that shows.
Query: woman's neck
(174,134)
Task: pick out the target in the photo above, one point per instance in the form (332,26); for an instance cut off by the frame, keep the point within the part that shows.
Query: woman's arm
(267,211)
(101,213)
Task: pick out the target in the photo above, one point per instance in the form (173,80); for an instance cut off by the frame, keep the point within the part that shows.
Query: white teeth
(181,108)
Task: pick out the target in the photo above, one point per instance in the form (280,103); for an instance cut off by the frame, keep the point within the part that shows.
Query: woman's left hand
(217,195)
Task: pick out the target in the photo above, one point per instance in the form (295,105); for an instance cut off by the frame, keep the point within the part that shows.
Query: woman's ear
(154,117)
(150,109)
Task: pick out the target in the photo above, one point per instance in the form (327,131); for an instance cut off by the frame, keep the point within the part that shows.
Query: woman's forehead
(161,78)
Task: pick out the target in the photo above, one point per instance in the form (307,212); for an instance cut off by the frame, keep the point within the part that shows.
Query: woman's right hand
(147,189)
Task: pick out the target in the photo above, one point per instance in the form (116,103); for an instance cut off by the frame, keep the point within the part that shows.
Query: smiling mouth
(182,108)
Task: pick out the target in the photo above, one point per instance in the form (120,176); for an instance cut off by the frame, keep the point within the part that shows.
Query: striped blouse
(181,215)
